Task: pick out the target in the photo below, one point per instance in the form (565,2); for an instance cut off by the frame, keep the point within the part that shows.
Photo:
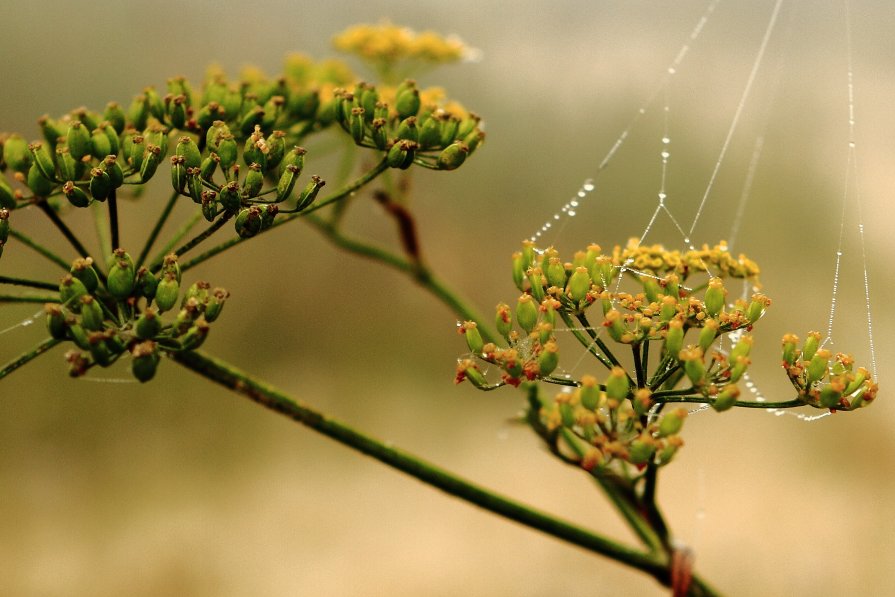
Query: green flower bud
(209,165)
(189,151)
(42,159)
(83,270)
(254,181)
(100,184)
(16,154)
(859,379)
(194,185)
(641,450)
(818,366)
(208,114)
(55,321)
(78,140)
(790,349)
(214,134)
(740,364)
(268,215)
(556,273)
(178,173)
(51,130)
(473,337)
(449,127)
(151,159)
(229,197)
(642,401)
(248,222)
(589,393)
(167,292)
(122,279)
(75,195)
(7,197)
(77,334)
(276,149)
(145,360)
(4,224)
(537,282)
(215,304)
(138,111)
(526,313)
(137,149)
(115,116)
(69,168)
(70,292)
(429,133)
(473,140)
(726,398)
(504,320)
(91,314)
(38,184)
(408,130)
(155,103)
(148,325)
(694,366)
(518,270)
(708,334)
(548,359)
(714,297)
(830,395)
(287,183)
(209,205)
(613,321)
(255,149)
(407,102)
(579,284)
(567,413)
(309,193)
(356,125)
(303,105)
(146,284)
(176,111)
(811,345)
(674,338)
(195,335)
(111,167)
(100,145)
(294,157)
(379,133)
(617,385)
(401,154)
(671,422)
(741,348)
(453,156)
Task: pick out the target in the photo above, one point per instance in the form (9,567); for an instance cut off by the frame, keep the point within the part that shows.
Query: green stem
(794,403)
(28,242)
(13,298)
(214,227)
(639,373)
(102,233)
(582,318)
(169,246)
(338,195)
(113,219)
(65,230)
(30,283)
(26,357)
(163,217)
(268,397)
(420,274)
(585,341)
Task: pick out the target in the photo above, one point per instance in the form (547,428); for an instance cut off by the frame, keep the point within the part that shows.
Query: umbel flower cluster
(233,147)
(106,316)
(683,341)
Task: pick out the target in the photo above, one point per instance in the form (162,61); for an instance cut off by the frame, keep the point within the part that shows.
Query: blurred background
(179,487)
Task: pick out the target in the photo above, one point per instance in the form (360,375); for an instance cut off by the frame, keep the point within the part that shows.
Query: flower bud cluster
(825,380)
(386,44)
(412,126)
(119,314)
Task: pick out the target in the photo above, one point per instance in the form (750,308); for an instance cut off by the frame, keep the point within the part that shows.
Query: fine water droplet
(671,70)
(665,155)
(851,144)
(573,204)
(839,253)
(571,214)
(555,216)
(666,140)
(581,194)
(588,186)
(642,110)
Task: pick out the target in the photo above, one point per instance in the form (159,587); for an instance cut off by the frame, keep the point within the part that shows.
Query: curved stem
(268,397)
(29,242)
(163,217)
(27,357)
(214,227)
(422,275)
(794,403)
(113,219)
(12,298)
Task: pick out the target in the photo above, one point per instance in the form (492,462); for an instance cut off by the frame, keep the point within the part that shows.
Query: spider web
(686,227)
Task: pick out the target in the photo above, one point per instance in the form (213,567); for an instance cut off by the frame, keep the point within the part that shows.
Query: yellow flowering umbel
(685,340)
(392,50)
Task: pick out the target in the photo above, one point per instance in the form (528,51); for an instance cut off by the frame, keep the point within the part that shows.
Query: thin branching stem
(178,236)
(31,243)
(27,357)
(156,230)
(36,298)
(113,219)
(29,283)
(65,230)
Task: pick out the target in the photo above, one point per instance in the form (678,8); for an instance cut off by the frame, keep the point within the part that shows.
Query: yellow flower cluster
(716,260)
(386,42)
